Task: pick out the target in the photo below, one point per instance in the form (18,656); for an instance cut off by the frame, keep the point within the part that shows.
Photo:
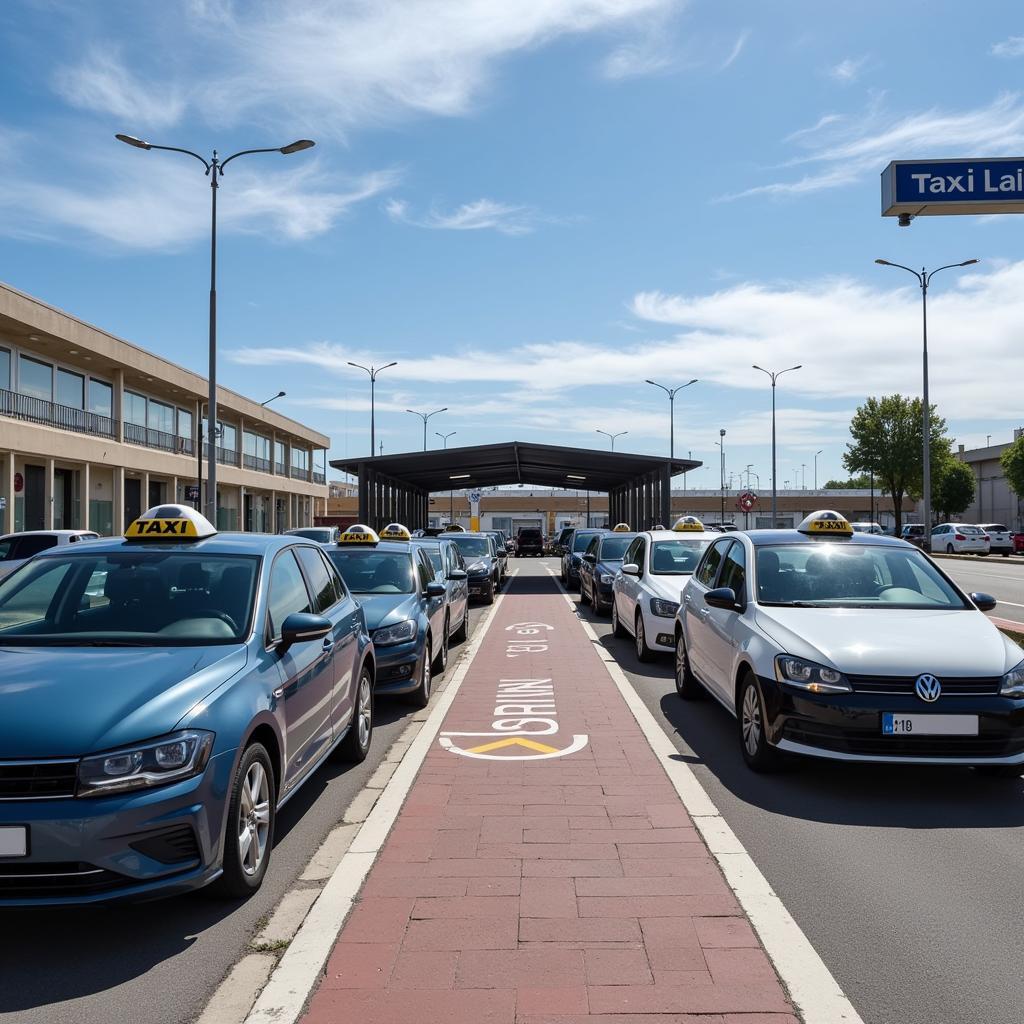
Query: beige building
(93,430)
(994,499)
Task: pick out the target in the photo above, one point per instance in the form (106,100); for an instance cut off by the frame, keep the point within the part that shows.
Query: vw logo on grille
(928,688)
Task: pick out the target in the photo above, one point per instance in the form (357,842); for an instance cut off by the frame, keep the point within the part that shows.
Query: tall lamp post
(426,416)
(611,436)
(672,392)
(721,445)
(816,454)
(924,278)
(373,371)
(451,492)
(775,375)
(214,168)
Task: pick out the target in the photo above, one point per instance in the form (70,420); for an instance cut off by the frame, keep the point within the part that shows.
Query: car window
(632,554)
(366,571)
(995,528)
(339,584)
(734,572)
(970,531)
(32,544)
(712,560)
(426,570)
(320,582)
(613,547)
(592,546)
(580,542)
(472,547)
(33,601)
(288,593)
(676,557)
(5,548)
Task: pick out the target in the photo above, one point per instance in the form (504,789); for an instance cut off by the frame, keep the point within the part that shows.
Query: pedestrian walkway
(543,869)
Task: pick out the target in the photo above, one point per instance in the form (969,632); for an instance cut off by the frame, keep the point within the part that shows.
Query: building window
(5,369)
(101,397)
(300,459)
(70,389)
(280,456)
(184,423)
(135,408)
(256,446)
(35,379)
(229,437)
(160,417)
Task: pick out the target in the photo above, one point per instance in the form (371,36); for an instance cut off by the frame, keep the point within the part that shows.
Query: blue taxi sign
(170,522)
(359,534)
(928,188)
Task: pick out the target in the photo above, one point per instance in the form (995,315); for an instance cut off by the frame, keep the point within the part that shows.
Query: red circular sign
(747,500)
(19,483)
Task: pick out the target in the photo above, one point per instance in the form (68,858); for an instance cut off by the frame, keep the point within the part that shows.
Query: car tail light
(959,536)
(986,537)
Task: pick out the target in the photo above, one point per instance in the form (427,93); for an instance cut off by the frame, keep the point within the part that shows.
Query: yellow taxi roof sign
(826,523)
(688,524)
(358,534)
(170,522)
(395,531)
(621,528)
(454,528)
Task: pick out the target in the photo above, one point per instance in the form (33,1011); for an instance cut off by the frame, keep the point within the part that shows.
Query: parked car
(562,539)
(959,539)
(601,563)
(573,556)
(913,533)
(480,554)
(502,552)
(18,548)
(875,529)
(450,569)
(1000,538)
(529,541)
(321,534)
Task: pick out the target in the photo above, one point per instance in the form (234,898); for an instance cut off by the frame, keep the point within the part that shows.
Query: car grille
(56,880)
(33,780)
(875,745)
(979,686)
(172,846)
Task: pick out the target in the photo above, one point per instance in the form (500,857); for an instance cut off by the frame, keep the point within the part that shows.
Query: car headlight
(666,609)
(1013,682)
(607,577)
(399,633)
(171,758)
(809,676)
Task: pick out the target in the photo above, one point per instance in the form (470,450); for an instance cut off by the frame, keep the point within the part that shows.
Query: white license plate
(929,725)
(13,840)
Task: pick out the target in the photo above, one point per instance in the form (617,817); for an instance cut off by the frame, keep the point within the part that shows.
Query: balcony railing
(37,410)
(226,456)
(319,478)
(280,469)
(134,433)
(255,462)
(299,474)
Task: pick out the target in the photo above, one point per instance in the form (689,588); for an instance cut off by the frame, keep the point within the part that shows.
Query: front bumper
(848,727)
(660,631)
(100,849)
(397,666)
(480,585)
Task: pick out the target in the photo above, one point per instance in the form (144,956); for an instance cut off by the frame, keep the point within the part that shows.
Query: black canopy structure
(397,487)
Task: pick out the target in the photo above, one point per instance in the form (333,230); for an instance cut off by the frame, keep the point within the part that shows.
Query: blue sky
(532,205)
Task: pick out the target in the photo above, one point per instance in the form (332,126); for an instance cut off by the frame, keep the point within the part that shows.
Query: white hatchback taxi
(646,591)
(850,646)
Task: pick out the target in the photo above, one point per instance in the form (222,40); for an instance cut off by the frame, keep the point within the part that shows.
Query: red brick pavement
(550,891)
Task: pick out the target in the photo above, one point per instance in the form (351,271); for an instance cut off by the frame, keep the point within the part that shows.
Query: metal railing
(255,462)
(299,474)
(227,456)
(66,417)
(280,469)
(134,433)
(319,478)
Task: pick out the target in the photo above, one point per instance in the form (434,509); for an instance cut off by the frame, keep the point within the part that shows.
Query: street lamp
(803,475)
(924,278)
(611,436)
(672,392)
(451,492)
(775,375)
(373,371)
(426,416)
(274,398)
(214,168)
(721,445)
(816,454)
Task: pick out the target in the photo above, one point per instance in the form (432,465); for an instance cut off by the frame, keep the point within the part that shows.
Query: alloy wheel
(751,721)
(253,819)
(365,710)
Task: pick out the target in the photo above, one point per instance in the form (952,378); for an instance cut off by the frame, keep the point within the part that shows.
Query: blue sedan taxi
(163,695)
(405,607)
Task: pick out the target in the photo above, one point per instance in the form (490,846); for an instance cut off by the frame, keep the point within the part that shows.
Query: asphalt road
(906,881)
(1003,578)
(160,962)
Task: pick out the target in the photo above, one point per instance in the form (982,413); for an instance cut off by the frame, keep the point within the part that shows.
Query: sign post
(474,511)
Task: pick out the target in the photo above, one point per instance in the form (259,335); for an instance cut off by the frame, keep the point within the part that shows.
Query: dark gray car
(450,569)
(481,556)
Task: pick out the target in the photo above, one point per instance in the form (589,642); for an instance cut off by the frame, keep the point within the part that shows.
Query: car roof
(684,534)
(384,545)
(759,538)
(46,533)
(218,544)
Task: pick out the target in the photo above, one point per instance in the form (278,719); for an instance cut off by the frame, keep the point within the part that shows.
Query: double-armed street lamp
(426,416)
(373,371)
(214,169)
(672,392)
(774,375)
(611,436)
(924,279)
(451,493)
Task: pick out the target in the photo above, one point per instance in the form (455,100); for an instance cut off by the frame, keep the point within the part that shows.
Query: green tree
(886,438)
(858,482)
(1012,461)
(952,487)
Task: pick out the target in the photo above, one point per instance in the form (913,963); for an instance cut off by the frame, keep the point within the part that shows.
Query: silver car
(449,569)
(17,548)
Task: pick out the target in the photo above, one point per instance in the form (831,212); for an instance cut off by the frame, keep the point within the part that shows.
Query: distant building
(994,500)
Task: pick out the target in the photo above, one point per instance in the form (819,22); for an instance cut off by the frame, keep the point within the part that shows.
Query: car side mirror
(300,627)
(631,569)
(722,597)
(435,589)
(591,558)
(983,602)
(458,574)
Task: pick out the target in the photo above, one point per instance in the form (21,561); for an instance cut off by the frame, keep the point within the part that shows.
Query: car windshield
(969,531)
(676,557)
(366,571)
(851,576)
(139,598)
(995,528)
(581,541)
(472,547)
(321,534)
(613,548)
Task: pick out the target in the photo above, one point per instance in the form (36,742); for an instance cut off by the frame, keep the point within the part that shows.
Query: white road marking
(301,967)
(814,992)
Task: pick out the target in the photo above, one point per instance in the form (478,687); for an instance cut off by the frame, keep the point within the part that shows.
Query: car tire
(459,636)
(643,652)
(584,596)
(441,658)
(246,860)
(1006,554)
(617,628)
(356,744)
(759,755)
(687,686)
(949,549)
(420,697)
(488,594)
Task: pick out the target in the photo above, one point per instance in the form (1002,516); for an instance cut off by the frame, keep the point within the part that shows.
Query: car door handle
(703,612)
(328,643)
(279,692)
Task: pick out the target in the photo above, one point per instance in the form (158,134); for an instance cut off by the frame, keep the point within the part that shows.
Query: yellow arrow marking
(541,748)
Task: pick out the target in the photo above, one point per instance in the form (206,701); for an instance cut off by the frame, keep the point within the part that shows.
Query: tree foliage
(1012,461)
(886,438)
(859,482)
(952,487)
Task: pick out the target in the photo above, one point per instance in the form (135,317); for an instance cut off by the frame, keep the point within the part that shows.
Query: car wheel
(686,682)
(949,549)
(1000,771)
(488,595)
(356,744)
(463,631)
(617,628)
(643,652)
(250,828)
(421,695)
(759,755)
(1006,554)
(584,594)
(441,658)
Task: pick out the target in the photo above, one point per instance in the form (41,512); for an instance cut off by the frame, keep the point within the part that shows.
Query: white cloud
(843,151)
(632,60)
(1010,47)
(848,70)
(479,215)
(737,49)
